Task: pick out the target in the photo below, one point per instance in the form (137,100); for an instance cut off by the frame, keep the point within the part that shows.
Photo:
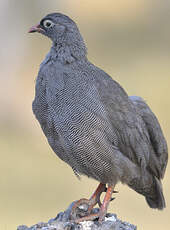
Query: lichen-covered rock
(62,222)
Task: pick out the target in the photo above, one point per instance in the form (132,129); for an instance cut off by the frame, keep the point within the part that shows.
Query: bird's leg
(95,198)
(105,204)
(103,209)
(84,205)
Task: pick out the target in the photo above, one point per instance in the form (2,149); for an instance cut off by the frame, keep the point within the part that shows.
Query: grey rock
(60,222)
(22,227)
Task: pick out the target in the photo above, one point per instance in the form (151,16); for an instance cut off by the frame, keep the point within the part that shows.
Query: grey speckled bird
(92,124)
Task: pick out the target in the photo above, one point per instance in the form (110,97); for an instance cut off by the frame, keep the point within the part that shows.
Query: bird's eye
(48,23)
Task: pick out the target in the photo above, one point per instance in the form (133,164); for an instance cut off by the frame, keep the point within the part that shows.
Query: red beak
(36,28)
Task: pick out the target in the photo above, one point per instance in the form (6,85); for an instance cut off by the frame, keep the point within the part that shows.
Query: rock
(62,222)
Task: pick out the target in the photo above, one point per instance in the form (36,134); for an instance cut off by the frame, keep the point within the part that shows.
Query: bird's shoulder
(113,96)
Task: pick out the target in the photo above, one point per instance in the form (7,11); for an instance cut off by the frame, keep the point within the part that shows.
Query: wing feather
(157,138)
(139,133)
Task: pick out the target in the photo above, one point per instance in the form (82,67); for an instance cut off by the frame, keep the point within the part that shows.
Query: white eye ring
(48,23)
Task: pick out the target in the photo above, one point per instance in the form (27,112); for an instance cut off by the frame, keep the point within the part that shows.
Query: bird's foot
(82,210)
(97,214)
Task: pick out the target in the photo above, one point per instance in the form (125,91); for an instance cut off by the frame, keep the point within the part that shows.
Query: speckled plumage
(91,123)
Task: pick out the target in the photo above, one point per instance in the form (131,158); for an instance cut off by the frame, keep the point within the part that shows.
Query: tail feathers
(157,201)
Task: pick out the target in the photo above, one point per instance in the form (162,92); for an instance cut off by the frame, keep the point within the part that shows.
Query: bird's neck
(66,53)
(69,48)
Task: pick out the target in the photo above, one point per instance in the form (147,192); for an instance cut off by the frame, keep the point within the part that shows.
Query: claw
(112,199)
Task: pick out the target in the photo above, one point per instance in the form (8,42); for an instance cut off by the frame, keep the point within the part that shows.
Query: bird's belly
(79,137)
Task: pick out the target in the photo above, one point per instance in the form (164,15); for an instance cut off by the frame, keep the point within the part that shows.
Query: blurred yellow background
(130,40)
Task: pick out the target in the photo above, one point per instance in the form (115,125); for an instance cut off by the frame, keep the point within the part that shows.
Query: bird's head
(63,31)
(57,27)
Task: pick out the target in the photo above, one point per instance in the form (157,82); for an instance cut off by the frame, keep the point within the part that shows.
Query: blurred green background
(130,40)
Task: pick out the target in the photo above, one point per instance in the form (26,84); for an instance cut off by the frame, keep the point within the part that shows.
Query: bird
(92,124)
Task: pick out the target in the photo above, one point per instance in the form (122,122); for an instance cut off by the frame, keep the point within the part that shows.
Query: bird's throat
(67,53)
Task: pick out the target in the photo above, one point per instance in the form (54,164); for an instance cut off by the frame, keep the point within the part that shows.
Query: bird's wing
(155,132)
(127,122)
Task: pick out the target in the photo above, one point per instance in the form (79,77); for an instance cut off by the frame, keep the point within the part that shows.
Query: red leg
(103,209)
(95,198)
(106,201)
(101,188)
